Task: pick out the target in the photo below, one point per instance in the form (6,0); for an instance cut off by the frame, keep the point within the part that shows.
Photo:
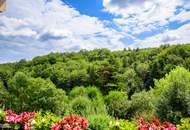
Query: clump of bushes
(84,101)
(44,121)
(99,122)
(173,92)
(49,121)
(117,104)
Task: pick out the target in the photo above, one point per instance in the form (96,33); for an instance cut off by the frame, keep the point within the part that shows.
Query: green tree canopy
(33,94)
(174,95)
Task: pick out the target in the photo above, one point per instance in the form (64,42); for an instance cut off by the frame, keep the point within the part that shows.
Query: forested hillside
(102,84)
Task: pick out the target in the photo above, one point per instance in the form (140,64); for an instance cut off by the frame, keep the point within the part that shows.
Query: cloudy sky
(35,27)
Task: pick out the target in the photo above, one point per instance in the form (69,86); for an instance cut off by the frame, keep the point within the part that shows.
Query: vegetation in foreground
(30,121)
(107,88)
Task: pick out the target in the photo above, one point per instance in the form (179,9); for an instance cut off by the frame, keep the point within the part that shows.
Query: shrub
(96,98)
(71,123)
(117,104)
(90,98)
(78,91)
(93,93)
(140,105)
(123,125)
(4,95)
(43,121)
(2,116)
(23,120)
(81,106)
(185,124)
(99,122)
(28,94)
(174,95)
(155,124)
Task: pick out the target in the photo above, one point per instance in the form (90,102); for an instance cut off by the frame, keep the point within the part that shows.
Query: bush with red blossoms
(71,123)
(155,124)
(23,118)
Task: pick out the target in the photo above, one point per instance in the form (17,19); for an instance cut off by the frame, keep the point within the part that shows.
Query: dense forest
(102,85)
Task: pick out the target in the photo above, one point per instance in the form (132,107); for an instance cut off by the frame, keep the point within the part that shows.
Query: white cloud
(137,16)
(34,27)
(40,27)
(177,36)
(181,17)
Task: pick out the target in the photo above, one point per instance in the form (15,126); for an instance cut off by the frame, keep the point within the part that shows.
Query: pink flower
(84,123)
(11,118)
(72,123)
(27,126)
(77,128)
(22,119)
(67,127)
(156,124)
(56,127)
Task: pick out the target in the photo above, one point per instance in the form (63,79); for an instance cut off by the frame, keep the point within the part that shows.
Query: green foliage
(78,91)
(93,93)
(122,125)
(11,126)
(140,105)
(3,95)
(117,104)
(43,121)
(94,97)
(5,75)
(185,124)
(174,95)
(99,122)
(30,94)
(46,96)
(44,82)
(105,76)
(81,106)
(130,82)
(2,116)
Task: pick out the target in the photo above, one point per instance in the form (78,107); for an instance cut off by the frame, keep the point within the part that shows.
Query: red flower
(67,127)
(72,123)
(155,125)
(77,128)
(23,118)
(26,126)
(56,127)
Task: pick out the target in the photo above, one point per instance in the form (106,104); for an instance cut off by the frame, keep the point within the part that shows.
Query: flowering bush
(185,124)
(123,125)
(23,119)
(71,123)
(155,125)
(44,121)
(2,115)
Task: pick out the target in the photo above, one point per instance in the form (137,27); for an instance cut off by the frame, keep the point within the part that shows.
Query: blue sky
(31,28)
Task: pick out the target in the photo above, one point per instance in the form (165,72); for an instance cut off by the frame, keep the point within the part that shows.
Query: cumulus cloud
(137,16)
(177,36)
(42,26)
(181,17)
